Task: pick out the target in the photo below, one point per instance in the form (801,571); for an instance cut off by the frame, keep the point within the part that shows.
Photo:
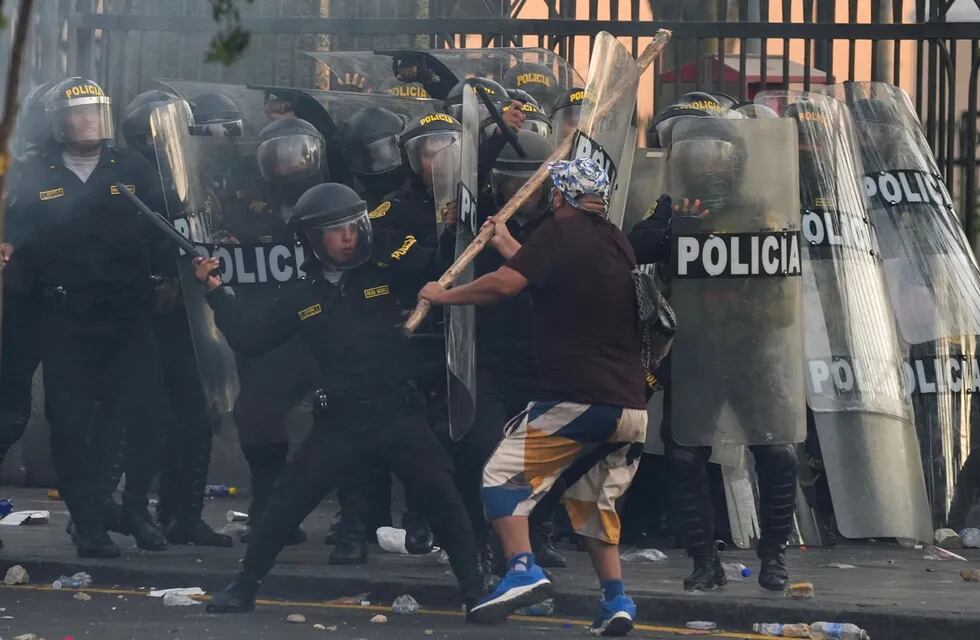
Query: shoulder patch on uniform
(400,252)
(51,194)
(374,292)
(114,190)
(380,210)
(309,312)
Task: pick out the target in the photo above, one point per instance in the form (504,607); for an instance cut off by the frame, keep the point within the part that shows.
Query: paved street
(124,615)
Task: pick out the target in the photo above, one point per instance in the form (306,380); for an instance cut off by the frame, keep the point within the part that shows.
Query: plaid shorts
(544,441)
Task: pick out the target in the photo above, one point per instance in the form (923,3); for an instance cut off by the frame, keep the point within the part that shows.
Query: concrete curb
(882,623)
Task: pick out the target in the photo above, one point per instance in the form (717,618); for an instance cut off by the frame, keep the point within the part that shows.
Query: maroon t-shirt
(584,324)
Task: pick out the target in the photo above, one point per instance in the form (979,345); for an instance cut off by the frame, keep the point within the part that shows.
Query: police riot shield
(375,69)
(931,274)
(856,385)
(461,320)
(647,183)
(603,132)
(216,197)
(736,286)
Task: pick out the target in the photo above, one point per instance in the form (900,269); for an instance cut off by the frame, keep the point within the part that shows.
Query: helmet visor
(83,120)
(700,162)
(538,126)
(288,157)
(380,156)
(422,149)
(219,128)
(341,244)
(566,119)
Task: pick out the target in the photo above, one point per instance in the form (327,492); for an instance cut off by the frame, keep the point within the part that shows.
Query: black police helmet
(523,96)
(371,145)
(510,171)
(136,119)
(428,135)
(331,221)
(696,104)
(215,114)
(494,90)
(79,111)
(534,120)
(290,151)
(33,129)
(536,79)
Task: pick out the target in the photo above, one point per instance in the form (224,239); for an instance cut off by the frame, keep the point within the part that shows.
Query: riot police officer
(88,252)
(536,79)
(348,316)
(713,166)
(187,439)
(215,114)
(289,159)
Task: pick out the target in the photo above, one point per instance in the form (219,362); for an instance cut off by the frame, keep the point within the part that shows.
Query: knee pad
(686,463)
(777,459)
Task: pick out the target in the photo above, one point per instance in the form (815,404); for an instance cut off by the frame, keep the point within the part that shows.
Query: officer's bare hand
(204,271)
(449,215)
(408,73)
(688,207)
(501,240)
(433,293)
(514,117)
(356,82)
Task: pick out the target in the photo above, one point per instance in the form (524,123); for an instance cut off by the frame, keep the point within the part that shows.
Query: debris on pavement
(296,618)
(6,506)
(16,575)
(392,540)
(233,529)
(26,517)
(970,538)
(379,619)
(644,555)
(319,627)
(543,608)
(948,539)
(736,571)
(970,575)
(429,632)
(182,591)
(178,600)
(837,631)
(360,599)
(780,630)
(701,625)
(27,636)
(838,565)
(79,580)
(53,494)
(236,516)
(405,605)
(936,553)
(800,591)
(81,596)
(332,627)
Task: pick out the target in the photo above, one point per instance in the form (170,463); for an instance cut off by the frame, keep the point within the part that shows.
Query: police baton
(534,182)
(499,120)
(160,222)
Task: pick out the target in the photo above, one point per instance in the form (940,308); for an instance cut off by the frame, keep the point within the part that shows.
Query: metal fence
(743,47)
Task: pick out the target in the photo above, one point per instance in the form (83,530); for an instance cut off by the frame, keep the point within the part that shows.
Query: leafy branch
(228,45)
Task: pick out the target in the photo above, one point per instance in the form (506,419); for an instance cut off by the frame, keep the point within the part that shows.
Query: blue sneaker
(616,618)
(517,589)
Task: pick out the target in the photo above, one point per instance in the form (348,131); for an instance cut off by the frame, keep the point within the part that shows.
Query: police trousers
(20,352)
(392,433)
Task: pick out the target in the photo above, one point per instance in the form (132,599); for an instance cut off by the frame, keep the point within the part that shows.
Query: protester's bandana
(582,176)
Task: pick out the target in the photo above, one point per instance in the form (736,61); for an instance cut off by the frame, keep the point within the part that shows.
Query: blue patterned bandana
(582,176)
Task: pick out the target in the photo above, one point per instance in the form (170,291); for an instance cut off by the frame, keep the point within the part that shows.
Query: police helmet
(523,96)
(536,79)
(290,151)
(535,120)
(696,104)
(136,121)
(33,128)
(494,90)
(215,114)
(725,100)
(708,157)
(79,111)
(813,127)
(371,141)
(331,221)
(510,171)
(567,110)
(431,135)
(755,111)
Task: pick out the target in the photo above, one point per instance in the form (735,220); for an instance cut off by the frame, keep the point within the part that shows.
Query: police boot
(147,534)
(198,533)
(418,536)
(350,549)
(187,496)
(773,575)
(708,574)
(542,543)
(237,597)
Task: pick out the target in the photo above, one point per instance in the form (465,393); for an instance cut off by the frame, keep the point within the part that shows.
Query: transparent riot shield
(604,128)
(216,197)
(647,183)
(932,277)
(375,68)
(736,285)
(461,320)
(856,385)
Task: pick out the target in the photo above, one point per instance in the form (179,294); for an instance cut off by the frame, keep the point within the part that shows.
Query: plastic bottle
(837,631)
(219,491)
(736,570)
(780,630)
(6,506)
(80,580)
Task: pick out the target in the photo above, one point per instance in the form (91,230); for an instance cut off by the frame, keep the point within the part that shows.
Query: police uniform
(89,253)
